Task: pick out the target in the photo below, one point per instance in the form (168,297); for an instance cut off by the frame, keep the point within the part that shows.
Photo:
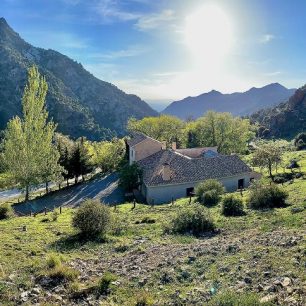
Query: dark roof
(184,169)
(136,138)
(195,152)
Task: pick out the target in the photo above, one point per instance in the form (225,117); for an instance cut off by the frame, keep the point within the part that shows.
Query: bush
(211,197)
(237,299)
(209,192)
(63,273)
(143,298)
(53,261)
(92,218)
(194,219)
(6,211)
(104,285)
(232,206)
(267,196)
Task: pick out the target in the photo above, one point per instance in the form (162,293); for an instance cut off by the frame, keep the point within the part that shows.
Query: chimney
(164,145)
(166,172)
(174,146)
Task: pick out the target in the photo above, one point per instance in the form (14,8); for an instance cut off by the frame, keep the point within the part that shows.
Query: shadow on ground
(104,189)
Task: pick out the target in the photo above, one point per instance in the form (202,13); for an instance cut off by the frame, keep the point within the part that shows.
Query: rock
(232,248)
(269,288)
(267,273)
(296,210)
(241,284)
(268,298)
(260,287)
(286,281)
(57,297)
(36,290)
(191,259)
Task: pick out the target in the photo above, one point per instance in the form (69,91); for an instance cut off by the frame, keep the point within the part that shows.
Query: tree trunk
(47,187)
(75,179)
(67,182)
(270,173)
(27,193)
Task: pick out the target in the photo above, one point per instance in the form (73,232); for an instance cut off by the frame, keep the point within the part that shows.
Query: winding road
(105,189)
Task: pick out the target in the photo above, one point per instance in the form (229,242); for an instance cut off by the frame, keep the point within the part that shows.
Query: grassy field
(258,256)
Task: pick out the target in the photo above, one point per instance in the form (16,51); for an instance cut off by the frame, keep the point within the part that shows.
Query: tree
(130,176)
(65,146)
(163,128)
(300,141)
(107,155)
(230,134)
(268,155)
(28,141)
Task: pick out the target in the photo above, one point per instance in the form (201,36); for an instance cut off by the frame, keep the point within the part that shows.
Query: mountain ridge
(80,103)
(285,120)
(238,103)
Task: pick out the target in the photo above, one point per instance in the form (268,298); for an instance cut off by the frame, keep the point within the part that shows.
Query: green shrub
(237,299)
(267,196)
(104,285)
(232,206)
(209,192)
(92,219)
(53,261)
(143,298)
(63,273)
(194,219)
(6,211)
(211,197)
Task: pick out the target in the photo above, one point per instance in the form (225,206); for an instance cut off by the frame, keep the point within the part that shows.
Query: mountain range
(238,103)
(81,104)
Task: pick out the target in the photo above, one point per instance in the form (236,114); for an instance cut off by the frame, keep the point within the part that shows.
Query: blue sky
(169,49)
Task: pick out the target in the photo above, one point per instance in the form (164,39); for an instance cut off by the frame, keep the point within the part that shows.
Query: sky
(165,50)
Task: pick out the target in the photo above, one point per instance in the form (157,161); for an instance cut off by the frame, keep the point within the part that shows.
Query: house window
(189,191)
(241,184)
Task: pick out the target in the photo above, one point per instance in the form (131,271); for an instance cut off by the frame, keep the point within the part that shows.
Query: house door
(241,184)
(189,191)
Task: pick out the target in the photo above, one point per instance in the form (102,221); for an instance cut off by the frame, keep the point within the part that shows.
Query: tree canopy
(30,156)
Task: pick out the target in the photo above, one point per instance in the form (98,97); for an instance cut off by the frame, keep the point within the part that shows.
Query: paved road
(104,189)
(14,193)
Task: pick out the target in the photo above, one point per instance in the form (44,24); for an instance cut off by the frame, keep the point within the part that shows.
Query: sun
(208,35)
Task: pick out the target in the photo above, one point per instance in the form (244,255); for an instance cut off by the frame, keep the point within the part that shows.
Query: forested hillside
(285,120)
(81,104)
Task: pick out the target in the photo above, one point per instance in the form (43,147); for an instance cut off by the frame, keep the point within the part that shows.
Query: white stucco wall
(165,193)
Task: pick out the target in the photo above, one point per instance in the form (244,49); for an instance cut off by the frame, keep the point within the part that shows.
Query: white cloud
(153,21)
(273,73)
(111,55)
(110,11)
(266,38)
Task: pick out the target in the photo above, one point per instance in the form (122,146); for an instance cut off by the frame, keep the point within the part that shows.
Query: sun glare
(208,35)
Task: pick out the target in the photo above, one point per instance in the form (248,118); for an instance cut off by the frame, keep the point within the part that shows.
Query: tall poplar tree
(29,154)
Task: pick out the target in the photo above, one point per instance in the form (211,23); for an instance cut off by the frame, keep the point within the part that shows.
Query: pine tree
(29,154)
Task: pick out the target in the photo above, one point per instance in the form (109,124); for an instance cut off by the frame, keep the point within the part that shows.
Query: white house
(173,173)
